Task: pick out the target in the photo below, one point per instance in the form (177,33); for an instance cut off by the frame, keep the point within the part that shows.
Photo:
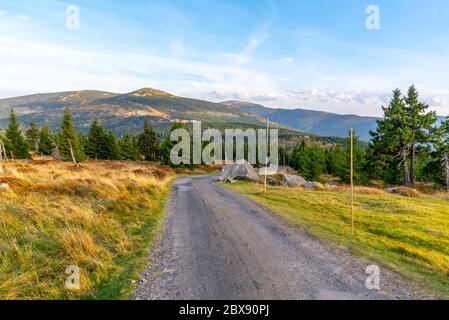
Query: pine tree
(95,146)
(112,149)
(46,143)
(441,142)
(129,147)
(391,140)
(309,160)
(420,122)
(68,140)
(32,134)
(148,142)
(17,146)
(167,145)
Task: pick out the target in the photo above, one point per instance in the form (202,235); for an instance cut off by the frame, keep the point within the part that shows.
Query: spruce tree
(309,160)
(129,147)
(95,146)
(391,141)
(441,143)
(112,148)
(148,142)
(32,134)
(167,145)
(17,146)
(46,143)
(68,139)
(420,122)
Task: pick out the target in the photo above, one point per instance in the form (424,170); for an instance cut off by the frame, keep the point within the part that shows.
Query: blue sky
(280,53)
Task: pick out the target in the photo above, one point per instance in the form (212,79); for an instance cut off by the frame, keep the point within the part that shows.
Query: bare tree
(2,155)
(73,155)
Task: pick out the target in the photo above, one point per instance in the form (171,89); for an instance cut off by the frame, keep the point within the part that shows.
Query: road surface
(219,245)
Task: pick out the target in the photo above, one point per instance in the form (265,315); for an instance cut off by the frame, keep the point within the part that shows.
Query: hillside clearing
(408,235)
(101,218)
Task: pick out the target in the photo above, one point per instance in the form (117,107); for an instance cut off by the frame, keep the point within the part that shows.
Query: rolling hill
(122,112)
(314,122)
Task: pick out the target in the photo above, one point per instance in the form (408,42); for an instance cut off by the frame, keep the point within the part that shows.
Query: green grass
(407,235)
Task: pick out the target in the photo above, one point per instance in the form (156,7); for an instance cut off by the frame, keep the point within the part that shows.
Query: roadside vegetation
(409,235)
(101,217)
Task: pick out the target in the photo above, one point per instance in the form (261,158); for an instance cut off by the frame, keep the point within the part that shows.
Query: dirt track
(219,245)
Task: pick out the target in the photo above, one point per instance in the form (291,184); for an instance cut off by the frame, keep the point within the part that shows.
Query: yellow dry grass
(101,218)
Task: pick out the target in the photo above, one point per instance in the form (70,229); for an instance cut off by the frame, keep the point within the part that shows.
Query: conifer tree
(129,147)
(148,142)
(46,143)
(441,143)
(391,141)
(16,145)
(32,134)
(420,122)
(68,140)
(112,149)
(95,146)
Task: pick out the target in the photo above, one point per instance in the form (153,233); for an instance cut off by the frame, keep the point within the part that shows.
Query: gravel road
(219,245)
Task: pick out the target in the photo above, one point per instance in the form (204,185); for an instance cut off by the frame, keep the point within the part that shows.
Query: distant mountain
(314,122)
(122,112)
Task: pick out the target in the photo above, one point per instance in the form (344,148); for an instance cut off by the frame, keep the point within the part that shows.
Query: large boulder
(292,181)
(403,191)
(241,170)
(314,186)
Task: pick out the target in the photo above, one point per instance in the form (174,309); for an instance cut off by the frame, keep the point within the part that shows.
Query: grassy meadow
(101,218)
(406,234)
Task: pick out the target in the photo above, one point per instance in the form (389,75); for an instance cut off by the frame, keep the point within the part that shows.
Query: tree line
(98,144)
(407,147)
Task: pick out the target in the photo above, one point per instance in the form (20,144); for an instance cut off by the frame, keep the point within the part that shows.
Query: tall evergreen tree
(16,145)
(392,138)
(148,142)
(441,142)
(129,149)
(32,134)
(112,148)
(95,146)
(46,142)
(68,139)
(420,122)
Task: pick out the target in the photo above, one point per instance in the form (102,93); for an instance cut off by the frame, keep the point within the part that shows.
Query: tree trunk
(73,155)
(412,165)
(446,169)
(405,168)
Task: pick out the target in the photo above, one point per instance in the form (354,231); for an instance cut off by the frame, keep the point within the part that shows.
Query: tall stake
(352,181)
(1,156)
(266,158)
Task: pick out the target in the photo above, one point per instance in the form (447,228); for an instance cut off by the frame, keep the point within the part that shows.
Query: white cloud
(287,60)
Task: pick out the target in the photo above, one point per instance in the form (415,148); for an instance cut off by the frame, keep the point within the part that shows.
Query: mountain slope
(122,112)
(314,122)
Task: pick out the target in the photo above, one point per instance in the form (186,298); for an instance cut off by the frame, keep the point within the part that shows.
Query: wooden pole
(352,181)
(266,159)
(1,156)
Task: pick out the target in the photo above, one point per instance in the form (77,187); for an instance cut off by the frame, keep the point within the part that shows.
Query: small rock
(4,186)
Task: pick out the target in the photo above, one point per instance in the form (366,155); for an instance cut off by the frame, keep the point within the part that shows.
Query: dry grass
(101,218)
(409,235)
